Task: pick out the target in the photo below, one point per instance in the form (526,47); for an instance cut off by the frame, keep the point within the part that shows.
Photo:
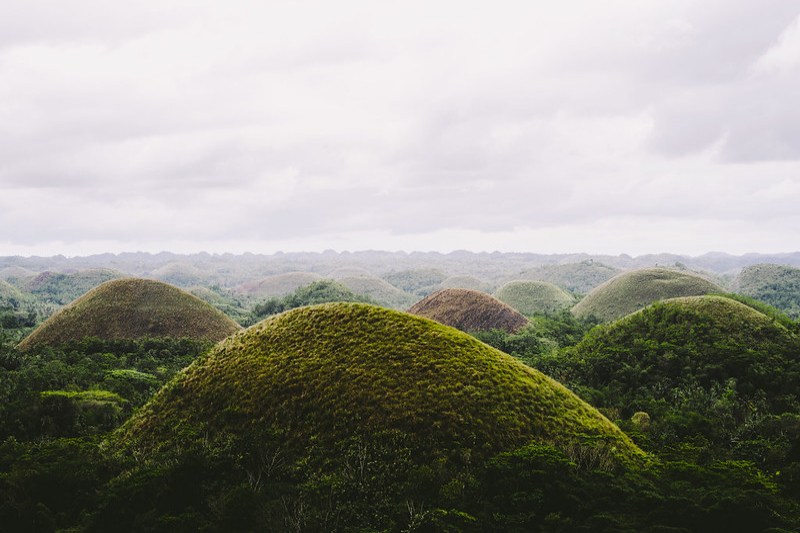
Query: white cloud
(400,124)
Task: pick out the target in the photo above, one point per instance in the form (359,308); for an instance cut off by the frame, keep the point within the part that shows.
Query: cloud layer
(612,127)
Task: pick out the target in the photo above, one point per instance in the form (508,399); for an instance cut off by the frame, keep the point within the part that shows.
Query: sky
(623,126)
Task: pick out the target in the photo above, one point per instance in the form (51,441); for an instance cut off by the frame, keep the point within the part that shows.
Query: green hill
(10,296)
(278,285)
(776,285)
(705,368)
(378,290)
(576,277)
(61,288)
(630,291)
(469,310)
(532,297)
(316,385)
(133,308)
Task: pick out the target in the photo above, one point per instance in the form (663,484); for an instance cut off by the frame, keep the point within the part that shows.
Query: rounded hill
(469,310)
(776,285)
(532,297)
(630,291)
(316,381)
(278,285)
(697,365)
(133,308)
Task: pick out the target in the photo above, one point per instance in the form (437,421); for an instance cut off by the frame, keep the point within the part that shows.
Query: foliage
(61,288)
(84,387)
(469,310)
(318,292)
(775,285)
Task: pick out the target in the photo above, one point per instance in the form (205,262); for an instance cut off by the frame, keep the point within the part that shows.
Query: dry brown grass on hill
(469,310)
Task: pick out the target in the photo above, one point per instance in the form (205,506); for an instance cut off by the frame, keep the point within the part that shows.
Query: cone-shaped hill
(469,310)
(776,285)
(699,353)
(314,381)
(531,297)
(630,291)
(132,308)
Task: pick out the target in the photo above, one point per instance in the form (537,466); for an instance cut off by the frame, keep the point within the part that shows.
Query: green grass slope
(133,308)
(776,285)
(278,285)
(532,297)
(378,290)
(576,277)
(630,291)
(469,310)
(315,378)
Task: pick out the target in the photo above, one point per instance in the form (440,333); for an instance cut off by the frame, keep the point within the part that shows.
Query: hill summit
(318,377)
(469,310)
(630,291)
(131,308)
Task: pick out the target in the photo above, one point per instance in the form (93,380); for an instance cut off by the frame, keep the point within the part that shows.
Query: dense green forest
(706,389)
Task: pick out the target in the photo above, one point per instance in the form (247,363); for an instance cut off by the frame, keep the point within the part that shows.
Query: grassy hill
(278,285)
(532,297)
(630,291)
(133,308)
(313,382)
(379,291)
(576,277)
(464,282)
(469,310)
(776,285)
(707,369)
(61,288)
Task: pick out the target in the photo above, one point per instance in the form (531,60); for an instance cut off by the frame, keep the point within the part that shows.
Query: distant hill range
(418,273)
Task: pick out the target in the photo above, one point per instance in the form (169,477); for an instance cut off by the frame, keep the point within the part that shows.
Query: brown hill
(469,310)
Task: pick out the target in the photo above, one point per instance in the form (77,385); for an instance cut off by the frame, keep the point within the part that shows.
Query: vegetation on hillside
(61,288)
(631,291)
(318,292)
(534,297)
(776,285)
(133,308)
(469,310)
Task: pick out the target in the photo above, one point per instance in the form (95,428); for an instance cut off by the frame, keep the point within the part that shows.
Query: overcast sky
(622,126)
